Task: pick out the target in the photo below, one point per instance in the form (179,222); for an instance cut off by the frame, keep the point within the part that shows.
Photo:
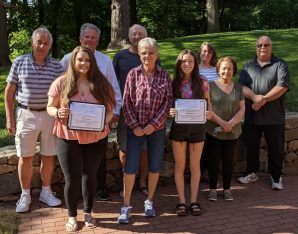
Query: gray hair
(148,41)
(137,26)
(42,30)
(87,26)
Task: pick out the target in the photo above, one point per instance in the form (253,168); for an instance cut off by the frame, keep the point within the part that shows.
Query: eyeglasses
(263,45)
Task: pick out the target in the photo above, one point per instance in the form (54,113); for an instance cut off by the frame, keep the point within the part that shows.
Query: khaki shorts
(32,126)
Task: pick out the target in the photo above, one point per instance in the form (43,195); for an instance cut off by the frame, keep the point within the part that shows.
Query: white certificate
(190,111)
(86,116)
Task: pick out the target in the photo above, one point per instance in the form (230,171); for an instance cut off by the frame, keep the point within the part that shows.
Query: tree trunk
(4,59)
(212,16)
(41,12)
(78,16)
(55,4)
(133,11)
(120,21)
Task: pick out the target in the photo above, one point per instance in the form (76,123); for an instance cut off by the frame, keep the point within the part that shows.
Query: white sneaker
(277,185)
(149,210)
(49,198)
(124,216)
(252,177)
(23,203)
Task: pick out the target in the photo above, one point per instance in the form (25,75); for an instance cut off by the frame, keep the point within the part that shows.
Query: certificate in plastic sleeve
(86,116)
(190,111)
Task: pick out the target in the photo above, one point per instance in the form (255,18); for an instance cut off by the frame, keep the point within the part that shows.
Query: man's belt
(31,108)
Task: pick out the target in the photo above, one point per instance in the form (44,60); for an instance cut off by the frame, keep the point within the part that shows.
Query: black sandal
(181,210)
(195,209)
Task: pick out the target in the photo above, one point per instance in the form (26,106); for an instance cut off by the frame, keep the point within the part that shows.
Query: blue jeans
(155,149)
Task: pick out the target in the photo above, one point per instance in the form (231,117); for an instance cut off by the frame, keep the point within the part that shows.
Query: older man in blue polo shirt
(28,83)
(265,80)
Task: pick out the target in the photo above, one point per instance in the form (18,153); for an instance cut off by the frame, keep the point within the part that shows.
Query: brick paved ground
(256,209)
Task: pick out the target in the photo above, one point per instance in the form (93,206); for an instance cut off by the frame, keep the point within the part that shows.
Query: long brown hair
(211,48)
(196,81)
(98,84)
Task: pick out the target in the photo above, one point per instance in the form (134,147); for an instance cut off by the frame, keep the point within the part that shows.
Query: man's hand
(259,101)
(114,121)
(9,98)
(11,126)
(115,118)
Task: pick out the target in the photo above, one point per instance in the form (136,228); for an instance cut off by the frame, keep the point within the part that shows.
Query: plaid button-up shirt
(147,101)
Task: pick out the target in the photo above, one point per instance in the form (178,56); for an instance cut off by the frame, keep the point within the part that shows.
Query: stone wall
(9,183)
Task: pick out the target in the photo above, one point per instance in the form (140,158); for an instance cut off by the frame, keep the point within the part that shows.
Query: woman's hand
(209,115)
(149,129)
(63,113)
(138,131)
(226,126)
(172,112)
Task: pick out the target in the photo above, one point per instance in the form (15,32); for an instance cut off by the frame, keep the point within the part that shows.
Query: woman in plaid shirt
(147,99)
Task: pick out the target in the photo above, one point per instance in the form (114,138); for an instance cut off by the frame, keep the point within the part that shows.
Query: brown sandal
(181,210)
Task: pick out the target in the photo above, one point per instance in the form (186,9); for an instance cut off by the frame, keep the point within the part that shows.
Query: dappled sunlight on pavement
(256,209)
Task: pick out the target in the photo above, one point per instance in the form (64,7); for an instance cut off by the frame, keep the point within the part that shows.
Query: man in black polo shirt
(265,80)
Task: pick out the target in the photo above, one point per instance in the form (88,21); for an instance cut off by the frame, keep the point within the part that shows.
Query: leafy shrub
(19,43)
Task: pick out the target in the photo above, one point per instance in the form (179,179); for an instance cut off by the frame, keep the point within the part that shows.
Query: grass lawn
(9,220)
(240,45)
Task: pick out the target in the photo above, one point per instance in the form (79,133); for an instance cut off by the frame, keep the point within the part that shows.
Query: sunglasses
(263,45)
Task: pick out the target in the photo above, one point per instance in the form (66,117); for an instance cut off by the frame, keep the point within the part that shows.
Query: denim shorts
(121,134)
(155,151)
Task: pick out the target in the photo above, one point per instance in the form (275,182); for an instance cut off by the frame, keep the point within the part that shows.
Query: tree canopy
(163,19)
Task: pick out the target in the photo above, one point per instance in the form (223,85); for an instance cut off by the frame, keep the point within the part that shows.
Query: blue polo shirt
(32,80)
(261,80)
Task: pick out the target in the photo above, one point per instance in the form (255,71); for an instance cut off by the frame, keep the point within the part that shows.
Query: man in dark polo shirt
(123,62)
(265,80)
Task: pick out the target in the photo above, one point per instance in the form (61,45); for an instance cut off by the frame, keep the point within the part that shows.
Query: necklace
(83,89)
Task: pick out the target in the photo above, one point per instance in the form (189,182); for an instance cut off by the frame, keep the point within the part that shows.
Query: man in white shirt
(89,37)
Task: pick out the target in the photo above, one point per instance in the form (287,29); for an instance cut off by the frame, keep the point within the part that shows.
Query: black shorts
(191,133)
